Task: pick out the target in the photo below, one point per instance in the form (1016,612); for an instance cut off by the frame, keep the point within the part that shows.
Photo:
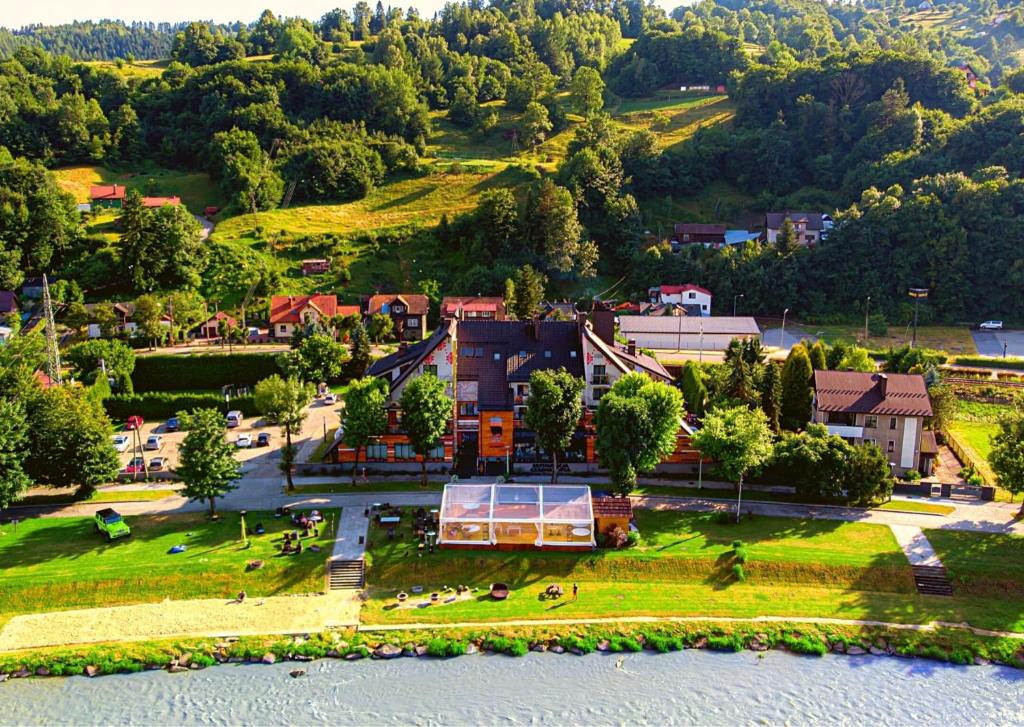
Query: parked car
(154,443)
(263,439)
(244,441)
(234,419)
(122,442)
(136,465)
(172,424)
(157,464)
(330,398)
(991,326)
(110,522)
(134,422)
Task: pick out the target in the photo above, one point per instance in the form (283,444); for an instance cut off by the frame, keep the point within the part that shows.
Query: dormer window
(547,353)
(399,309)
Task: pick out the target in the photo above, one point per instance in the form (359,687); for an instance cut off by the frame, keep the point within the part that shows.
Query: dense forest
(847,108)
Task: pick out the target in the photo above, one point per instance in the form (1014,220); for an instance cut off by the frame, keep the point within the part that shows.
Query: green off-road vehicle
(110,522)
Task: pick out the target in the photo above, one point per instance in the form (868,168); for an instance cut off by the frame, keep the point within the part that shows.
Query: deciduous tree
(207,463)
(13,451)
(1007,456)
(365,419)
(739,440)
(553,411)
(284,401)
(426,410)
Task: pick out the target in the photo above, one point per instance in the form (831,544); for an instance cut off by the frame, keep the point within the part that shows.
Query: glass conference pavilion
(516,516)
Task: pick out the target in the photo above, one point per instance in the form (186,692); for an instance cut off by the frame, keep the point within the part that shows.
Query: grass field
(55,563)
(140,70)
(196,190)
(914,506)
(984,564)
(974,439)
(951,339)
(681,567)
(99,496)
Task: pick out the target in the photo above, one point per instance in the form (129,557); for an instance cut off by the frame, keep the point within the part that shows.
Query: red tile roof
(677,289)
(106,191)
(288,308)
(612,507)
(348,310)
(450,305)
(417,304)
(862,393)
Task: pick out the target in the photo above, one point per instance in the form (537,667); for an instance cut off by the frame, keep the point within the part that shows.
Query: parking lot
(990,343)
(257,461)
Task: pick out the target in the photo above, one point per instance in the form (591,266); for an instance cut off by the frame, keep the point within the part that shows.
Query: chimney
(631,347)
(603,322)
(883,384)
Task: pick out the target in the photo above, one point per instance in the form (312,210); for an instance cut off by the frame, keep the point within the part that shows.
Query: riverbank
(946,644)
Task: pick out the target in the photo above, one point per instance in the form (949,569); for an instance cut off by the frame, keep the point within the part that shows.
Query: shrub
(441,647)
(726,642)
(164,404)
(912,476)
(804,644)
(738,573)
(207,371)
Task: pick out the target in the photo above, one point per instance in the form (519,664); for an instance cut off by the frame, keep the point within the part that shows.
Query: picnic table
(390,519)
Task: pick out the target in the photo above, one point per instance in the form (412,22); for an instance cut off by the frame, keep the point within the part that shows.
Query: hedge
(202,371)
(165,404)
(991,361)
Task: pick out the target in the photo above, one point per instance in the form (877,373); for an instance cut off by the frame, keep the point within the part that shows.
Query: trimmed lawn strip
(58,563)
(345,487)
(983,564)
(915,506)
(98,496)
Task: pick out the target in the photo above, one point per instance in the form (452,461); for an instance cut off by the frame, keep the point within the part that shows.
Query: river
(688,687)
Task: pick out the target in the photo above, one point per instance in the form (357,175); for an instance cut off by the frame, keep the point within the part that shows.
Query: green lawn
(55,563)
(99,496)
(915,506)
(196,190)
(974,438)
(955,340)
(983,564)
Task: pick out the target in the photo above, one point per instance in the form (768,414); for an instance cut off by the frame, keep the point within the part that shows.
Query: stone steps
(932,580)
(343,574)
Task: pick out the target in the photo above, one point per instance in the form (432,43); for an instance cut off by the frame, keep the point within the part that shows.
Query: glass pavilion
(513,515)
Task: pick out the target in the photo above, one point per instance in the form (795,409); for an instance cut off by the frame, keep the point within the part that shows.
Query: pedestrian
(575,590)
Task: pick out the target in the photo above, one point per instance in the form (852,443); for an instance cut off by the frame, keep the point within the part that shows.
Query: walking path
(201,617)
(915,545)
(352,526)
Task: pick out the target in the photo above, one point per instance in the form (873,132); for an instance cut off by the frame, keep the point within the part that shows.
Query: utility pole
(867,305)
(734,299)
(782,333)
(917,294)
(52,344)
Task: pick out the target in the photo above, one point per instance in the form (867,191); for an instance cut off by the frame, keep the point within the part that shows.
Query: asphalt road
(990,343)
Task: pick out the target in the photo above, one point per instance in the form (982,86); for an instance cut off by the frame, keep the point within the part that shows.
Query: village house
(687,333)
(125,315)
(161,201)
(698,232)
(408,311)
(111,196)
(315,266)
(288,312)
(9,303)
(885,409)
(810,227)
(693,299)
(486,366)
(557,310)
(5,334)
(211,328)
(469,308)
(969,74)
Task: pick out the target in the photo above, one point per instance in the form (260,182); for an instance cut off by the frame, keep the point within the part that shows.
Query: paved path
(915,545)
(352,526)
(201,617)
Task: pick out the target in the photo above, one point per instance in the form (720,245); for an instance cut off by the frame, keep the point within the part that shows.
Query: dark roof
(565,308)
(861,393)
(511,351)
(612,507)
(407,356)
(814,220)
(929,445)
(415,303)
(699,228)
(8,301)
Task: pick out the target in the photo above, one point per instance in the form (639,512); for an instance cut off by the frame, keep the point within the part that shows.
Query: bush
(206,371)
(738,573)
(739,552)
(1003,363)
(165,404)
(441,647)
(912,476)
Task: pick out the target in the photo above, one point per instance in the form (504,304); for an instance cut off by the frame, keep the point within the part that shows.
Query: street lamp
(1004,347)
(700,339)
(245,533)
(734,299)
(867,305)
(782,333)
(917,294)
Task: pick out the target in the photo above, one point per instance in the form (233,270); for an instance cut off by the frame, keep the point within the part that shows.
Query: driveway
(207,226)
(990,343)
(793,335)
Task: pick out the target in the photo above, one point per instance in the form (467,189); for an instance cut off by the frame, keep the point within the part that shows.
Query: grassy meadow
(954,340)
(60,563)
(197,190)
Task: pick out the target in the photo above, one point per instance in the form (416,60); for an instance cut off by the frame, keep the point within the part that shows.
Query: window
(467,408)
(691,296)
(871,421)
(436,452)
(399,309)
(377,451)
(686,237)
(547,353)
(892,446)
(868,440)
(283,328)
(466,351)
(600,376)
(497,355)
(497,427)
(572,354)
(404,451)
(522,353)
(478,352)
(892,423)
(412,322)
(430,369)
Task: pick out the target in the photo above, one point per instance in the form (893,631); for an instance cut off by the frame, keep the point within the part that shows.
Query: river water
(688,687)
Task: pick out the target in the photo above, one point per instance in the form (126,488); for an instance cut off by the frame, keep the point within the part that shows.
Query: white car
(121,442)
(244,441)
(330,398)
(991,326)
(154,443)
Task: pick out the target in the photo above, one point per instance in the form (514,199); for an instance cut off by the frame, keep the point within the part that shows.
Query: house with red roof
(112,196)
(211,328)
(473,307)
(161,201)
(288,312)
(695,300)
(408,312)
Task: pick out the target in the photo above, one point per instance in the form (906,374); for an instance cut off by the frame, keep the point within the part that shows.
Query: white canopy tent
(510,514)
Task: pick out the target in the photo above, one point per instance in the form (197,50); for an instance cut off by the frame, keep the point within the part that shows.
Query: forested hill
(535,146)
